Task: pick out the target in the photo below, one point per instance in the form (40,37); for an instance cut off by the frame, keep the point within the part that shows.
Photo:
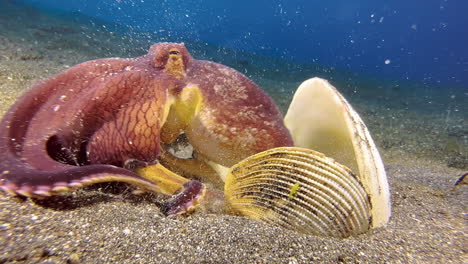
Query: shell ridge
(320,224)
(319,181)
(345,214)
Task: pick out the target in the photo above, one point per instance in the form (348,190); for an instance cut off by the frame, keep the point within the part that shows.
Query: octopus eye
(174,52)
(175,64)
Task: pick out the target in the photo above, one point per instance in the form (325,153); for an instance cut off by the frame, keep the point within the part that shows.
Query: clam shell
(299,189)
(321,119)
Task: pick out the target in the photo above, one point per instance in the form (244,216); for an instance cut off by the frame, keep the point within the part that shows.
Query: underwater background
(403,65)
(402,40)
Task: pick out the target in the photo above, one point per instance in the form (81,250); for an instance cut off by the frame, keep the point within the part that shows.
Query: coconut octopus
(100,120)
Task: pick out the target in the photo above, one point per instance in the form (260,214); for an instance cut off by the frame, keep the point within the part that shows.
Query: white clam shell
(320,118)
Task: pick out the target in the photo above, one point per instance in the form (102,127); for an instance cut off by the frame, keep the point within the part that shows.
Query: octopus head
(225,116)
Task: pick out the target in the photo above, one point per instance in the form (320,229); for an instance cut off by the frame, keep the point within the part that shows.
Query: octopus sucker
(25,190)
(10,189)
(60,189)
(42,193)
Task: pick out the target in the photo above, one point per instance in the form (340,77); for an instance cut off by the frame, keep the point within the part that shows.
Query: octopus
(113,119)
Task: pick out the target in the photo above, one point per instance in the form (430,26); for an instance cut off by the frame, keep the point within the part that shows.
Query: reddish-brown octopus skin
(88,122)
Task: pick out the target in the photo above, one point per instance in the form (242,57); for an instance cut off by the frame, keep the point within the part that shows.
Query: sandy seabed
(106,224)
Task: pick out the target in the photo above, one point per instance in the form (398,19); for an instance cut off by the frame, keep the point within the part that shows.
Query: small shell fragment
(299,189)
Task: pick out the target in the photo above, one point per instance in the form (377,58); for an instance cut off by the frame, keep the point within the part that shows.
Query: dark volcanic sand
(107,224)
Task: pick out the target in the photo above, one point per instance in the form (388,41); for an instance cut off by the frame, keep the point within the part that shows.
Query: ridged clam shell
(320,118)
(299,189)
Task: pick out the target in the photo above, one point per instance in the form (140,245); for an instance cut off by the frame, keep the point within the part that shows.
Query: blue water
(422,41)
(403,66)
